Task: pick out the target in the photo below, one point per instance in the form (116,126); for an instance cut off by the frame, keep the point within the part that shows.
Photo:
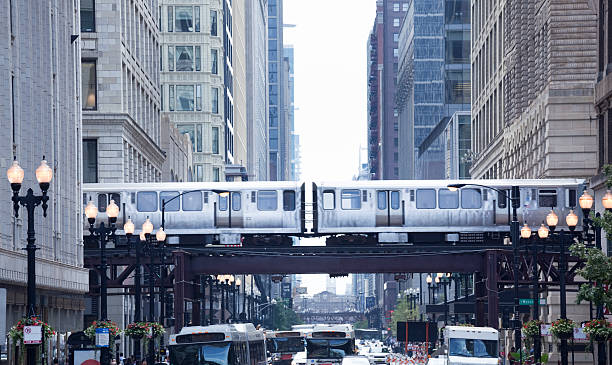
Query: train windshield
(200,354)
(329,349)
(286,344)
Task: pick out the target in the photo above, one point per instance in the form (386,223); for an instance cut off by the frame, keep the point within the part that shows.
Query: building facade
(256,21)
(178,164)
(121,100)
(277,124)
(237,170)
(193,80)
(40,116)
(292,139)
(375,87)
(532,99)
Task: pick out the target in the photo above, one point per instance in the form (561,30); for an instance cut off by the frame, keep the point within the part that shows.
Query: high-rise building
(533,70)
(277,124)
(228,82)
(383,67)
(120,55)
(292,143)
(433,82)
(40,115)
(256,20)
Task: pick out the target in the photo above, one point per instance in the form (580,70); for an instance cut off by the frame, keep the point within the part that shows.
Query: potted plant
(599,330)
(563,328)
(532,328)
(16,332)
(113,331)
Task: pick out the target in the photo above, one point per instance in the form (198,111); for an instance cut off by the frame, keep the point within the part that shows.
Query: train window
(171,206)
(471,199)
(411,195)
(485,194)
(133,198)
(571,198)
(147,201)
(206,197)
(223,200)
(426,199)
(364,195)
(329,200)
(192,201)
(350,200)
(502,198)
(117,198)
(448,199)
(102,202)
(267,200)
(288,200)
(253,196)
(236,201)
(395,200)
(381,196)
(547,198)
(84,198)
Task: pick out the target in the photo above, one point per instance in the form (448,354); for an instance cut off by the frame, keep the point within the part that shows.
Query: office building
(178,164)
(292,139)
(277,123)
(40,115)
(256,23)
(375,113)
(193,80)
(121,100)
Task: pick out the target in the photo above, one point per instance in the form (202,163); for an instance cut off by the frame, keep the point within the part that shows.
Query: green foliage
(402,313)
(597,269)
(363,324)
(284,317)
(527,357)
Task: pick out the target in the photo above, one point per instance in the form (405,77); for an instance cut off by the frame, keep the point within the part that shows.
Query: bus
(283,345)
(328,344)
(368,334)
(221,344)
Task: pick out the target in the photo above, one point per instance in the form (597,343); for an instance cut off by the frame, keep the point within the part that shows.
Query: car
(356,360)
(377,355)
(299,358)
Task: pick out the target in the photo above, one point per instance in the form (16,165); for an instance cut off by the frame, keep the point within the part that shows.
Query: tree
(402,313)
(284,317)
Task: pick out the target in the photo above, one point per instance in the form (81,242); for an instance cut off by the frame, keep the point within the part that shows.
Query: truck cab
(470,345)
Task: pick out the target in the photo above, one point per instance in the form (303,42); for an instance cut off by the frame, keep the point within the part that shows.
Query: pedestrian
(121,359)
(144,362)
(511,360)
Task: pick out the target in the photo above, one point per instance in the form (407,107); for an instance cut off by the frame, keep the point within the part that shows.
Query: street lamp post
(128,228)
(15,175)
(237,309)
(102,234)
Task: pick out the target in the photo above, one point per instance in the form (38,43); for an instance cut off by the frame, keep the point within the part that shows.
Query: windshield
(473,347)
(200,354)
(286,344)
(326,349)
(367,334)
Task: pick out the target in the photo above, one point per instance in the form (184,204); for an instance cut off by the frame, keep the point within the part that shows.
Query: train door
(389,208)
(228,210)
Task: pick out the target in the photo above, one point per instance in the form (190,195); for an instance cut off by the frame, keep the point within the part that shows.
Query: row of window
(266,200)
(197,140)
(189,98)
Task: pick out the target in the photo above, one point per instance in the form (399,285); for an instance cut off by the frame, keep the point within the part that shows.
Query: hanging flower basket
(563,328)
(112,327)
(599,330)
(16,332)
(532,328)
(140,330)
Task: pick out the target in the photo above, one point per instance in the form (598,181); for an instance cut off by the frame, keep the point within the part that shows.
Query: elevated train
(368,212)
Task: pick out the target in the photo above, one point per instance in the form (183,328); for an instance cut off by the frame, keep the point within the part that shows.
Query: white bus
(222,344)
(328,344)
(283,345)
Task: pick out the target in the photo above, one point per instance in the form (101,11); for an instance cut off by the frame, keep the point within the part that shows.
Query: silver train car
(418,211)
(207,213)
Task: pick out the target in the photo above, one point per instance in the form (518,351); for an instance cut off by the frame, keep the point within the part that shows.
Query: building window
(88,16)
(214,64)
(185,97)
(199,97)
(184,57)
(213,23)
(90,161)
(171,98)
(170,19)
(183,21)
(88,85)
(199,172)
(395,52)
(214,100)
(396,22)
(395,37)
(457,12)
(198,58)
(458,47)
(405,7)
(196,13)
(189,129)
(216,175)
(457,87)
(215,140)
(396,7)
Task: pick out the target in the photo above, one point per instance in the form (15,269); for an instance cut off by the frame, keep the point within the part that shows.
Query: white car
(378,355)
(299,358)
(355,360)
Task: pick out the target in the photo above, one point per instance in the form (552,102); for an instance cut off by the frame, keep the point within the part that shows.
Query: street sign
(102,337)
(530,301)
(32,335)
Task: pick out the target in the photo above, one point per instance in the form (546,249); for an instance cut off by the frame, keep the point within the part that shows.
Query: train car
(236,344)
(227,213)
(421,211)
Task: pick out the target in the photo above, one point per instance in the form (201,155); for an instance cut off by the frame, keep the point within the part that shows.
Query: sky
(330,44)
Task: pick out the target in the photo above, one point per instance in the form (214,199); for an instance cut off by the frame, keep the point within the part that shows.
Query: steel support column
(480,293)
(179,290)
(492,296)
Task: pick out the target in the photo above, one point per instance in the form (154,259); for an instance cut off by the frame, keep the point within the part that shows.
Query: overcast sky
(330,41)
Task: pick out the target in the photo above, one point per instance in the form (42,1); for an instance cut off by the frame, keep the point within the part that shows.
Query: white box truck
(468,346)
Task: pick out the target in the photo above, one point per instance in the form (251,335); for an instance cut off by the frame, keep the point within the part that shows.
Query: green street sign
(530,301)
